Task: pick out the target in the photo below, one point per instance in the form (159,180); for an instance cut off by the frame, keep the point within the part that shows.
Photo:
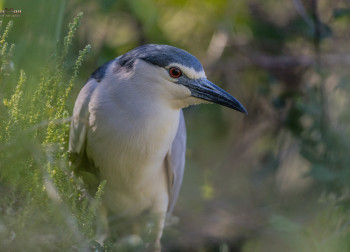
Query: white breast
(129,148)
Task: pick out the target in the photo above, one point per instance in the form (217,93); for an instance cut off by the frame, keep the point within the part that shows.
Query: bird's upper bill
(206,90)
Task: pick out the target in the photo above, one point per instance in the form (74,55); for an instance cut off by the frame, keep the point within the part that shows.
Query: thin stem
(324,122)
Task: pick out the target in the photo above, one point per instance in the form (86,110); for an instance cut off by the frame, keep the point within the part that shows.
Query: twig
(283,62)
(302,12)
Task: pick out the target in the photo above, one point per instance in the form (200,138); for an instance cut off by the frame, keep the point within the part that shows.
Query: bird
(128,128)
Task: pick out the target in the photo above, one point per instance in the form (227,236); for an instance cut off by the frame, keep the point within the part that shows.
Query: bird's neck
(147,118)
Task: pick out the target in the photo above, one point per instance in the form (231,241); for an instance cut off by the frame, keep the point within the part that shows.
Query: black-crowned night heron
(129,127)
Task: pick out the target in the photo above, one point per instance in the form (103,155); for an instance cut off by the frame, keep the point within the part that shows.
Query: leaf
(284,224)
(339,13)
(322,173)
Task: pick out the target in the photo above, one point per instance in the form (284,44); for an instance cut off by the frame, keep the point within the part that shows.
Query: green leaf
(322,173)
(339,13)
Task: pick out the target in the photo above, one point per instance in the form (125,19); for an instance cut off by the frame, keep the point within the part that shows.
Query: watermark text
(10,12)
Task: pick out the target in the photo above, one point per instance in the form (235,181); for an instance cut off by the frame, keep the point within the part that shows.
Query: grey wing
(176,163)
(78,130)
(80,119)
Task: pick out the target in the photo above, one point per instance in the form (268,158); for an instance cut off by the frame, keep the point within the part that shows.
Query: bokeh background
(277,179)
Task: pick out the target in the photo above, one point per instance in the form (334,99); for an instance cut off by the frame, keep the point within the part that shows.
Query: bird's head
(178,74)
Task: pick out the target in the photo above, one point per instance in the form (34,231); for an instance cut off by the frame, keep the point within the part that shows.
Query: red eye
(175,72)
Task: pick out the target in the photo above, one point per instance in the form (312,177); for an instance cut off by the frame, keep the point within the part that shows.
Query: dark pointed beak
(204,89)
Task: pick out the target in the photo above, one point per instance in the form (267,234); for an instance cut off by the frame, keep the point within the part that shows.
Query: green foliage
(35,175)
(340,13)
(5,51)
(14,108)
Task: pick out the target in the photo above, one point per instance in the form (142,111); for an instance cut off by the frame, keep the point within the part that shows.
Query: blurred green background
(274,180)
